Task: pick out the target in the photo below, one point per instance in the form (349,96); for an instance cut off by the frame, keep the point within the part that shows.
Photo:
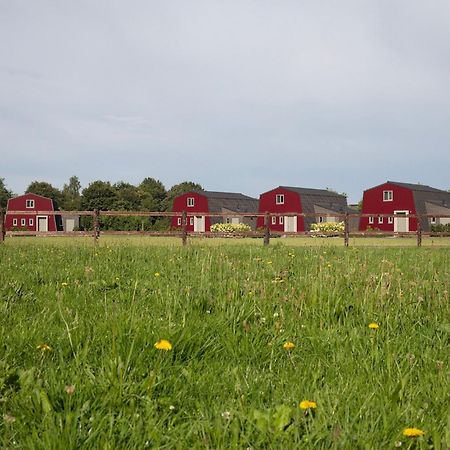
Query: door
(235,220)
(70,224)
(290,224)
(199,224)
(42,223)
(401,221)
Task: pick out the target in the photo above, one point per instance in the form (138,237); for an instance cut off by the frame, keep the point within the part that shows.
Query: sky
(237,95)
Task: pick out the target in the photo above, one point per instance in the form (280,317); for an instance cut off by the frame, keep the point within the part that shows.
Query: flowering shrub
(230,228)
(327,228)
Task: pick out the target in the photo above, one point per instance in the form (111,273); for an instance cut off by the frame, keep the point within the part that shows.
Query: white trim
(23,222)
(191,221)
(37,222)
(190,201)
(274,220)
(29,203)
(380,219)
(15,222)
(390,220)
(281,220)
(433,220)
(371,220)
(279,199)
(31,222)
(403,215)
(388,196)
(179,221)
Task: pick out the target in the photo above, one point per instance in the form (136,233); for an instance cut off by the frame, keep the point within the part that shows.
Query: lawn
(79,323)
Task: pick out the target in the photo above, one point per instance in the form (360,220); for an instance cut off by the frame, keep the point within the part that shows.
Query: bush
(441,228)
(230,228)
(325,229)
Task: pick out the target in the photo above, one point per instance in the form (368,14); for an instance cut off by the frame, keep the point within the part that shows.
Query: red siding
(403,200)
(200,206)
(19,204)
(292,203)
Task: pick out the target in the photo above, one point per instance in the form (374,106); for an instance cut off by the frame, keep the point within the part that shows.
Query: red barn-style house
(284,199)
(213,202)
(34,220)
(403,200)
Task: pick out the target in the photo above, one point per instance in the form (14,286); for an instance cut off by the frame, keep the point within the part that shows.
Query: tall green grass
(227,310)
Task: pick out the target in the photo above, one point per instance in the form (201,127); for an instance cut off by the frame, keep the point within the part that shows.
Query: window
(179,221)
(321,219)
(191,221)
(380,219)
(30,204)
(433,220)
(14,222)
(274,220)
(31,222)
(388,196)
(23,222)
(190,201)
(370,219)
(281,220)
(390,220)
(279,199)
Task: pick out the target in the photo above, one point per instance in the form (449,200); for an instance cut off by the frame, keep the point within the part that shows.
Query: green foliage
(99,195)
(441,228)
(5,194)
(230,228)
(153,194)
(46,190)
(71,196)
(179,189)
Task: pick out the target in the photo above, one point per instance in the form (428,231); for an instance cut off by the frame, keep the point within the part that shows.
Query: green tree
(71,197)
(99,195)
(128,197)
(5,194)
(179,189)
(153,194)
(46,190)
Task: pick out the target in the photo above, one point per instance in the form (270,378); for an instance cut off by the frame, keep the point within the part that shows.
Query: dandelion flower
(307,404)
(269,262)
(373,326)
(64,284)
(44,348)
(413,432)
(288,345)
(157,274)
(163,344)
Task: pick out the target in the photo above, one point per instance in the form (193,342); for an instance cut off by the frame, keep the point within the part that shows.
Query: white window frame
(390,220)
(321,219)
(281,220)
(179,221)
(23,222)
(371,220)
(191,221)
(15,222)
(31,222)
(190,202)
(380,219)
(274,220)
(29,204)
(388,196)
(279,199)
(433,220)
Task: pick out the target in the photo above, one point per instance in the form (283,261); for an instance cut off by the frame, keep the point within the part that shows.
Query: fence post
(419,232)
(2,225)
(266,229)
(346,229)
(184,224)
(96,225)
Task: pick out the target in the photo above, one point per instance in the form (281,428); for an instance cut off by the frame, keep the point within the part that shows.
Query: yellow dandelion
(44,348)
(269,262)
(157,274)
(307,404)
(163,344)
(288,345)
(64,284)
(373,326)
(413,432)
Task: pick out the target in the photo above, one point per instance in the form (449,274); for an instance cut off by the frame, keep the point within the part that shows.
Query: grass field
(79,369)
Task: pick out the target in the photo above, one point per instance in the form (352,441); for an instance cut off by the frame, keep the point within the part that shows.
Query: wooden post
(96,225)
(266,229)
(346,229)
(184,225)
(2,226)
(419,233)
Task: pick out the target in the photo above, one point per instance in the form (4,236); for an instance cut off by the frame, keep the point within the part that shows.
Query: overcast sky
(236,95)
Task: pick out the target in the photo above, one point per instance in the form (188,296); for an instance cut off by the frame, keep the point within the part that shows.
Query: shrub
(230,228)
(325,229)
(441,228)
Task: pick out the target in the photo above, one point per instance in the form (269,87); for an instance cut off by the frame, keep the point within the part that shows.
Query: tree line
(149,195)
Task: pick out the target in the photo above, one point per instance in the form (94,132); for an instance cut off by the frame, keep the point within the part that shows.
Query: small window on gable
(179,221)
(390,220)
(279,199)
(388,196)
(281,220)
(433,220)
(14,222)
(370,219)
(23,222)
(380,219)
(191,221)
(274,220)
(321,219)
(30,204)
(31,222)
(190,201)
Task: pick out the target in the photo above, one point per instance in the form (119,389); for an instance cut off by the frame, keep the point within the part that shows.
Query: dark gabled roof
(310,191)
(224,195)
(231,201)
(416,187)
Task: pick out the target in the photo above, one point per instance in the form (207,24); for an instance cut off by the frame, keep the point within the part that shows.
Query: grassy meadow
(254,331)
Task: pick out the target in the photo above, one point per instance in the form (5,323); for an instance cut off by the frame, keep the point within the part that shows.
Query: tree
(99,195)
(71,197)
(5,194)
(46,190)
(128,197)
(153,194)
(179,189)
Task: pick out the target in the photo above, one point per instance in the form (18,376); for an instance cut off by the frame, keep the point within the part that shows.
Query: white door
(235,220)
(42,223)
(70,224)
(199,224)
(290,224)
(401,223)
